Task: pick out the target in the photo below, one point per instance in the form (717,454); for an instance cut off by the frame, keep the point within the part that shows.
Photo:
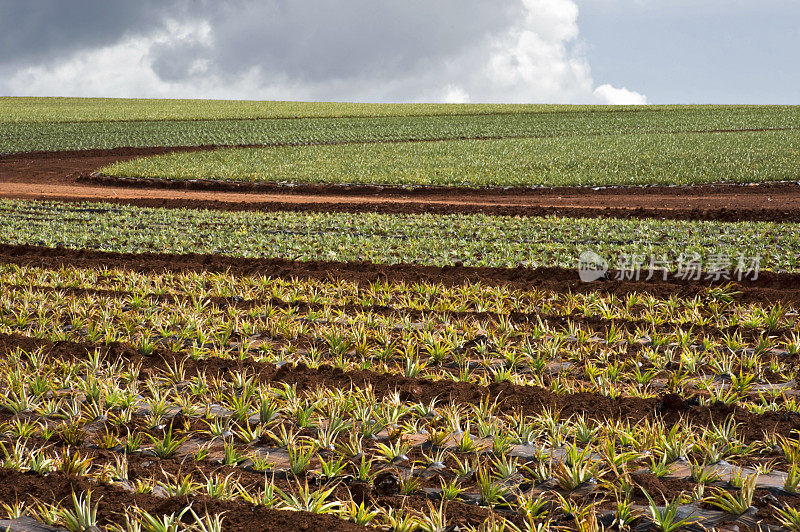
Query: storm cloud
(357,50)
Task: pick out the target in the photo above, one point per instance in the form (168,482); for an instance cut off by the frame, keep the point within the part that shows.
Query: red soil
(70,176)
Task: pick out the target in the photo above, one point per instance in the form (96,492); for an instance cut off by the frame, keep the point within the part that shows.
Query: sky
(515,51)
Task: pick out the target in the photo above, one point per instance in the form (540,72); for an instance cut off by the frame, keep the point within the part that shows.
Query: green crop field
(203,128)
(35,109)
(474,240)
(32,109)
(678,158)
(473,145)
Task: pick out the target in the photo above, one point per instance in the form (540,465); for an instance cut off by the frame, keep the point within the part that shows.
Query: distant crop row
(35,109)
(678,158)
(36,136)
(475,240)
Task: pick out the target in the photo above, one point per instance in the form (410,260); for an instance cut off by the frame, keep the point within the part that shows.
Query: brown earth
(113,502)
(70,176)
(30,487)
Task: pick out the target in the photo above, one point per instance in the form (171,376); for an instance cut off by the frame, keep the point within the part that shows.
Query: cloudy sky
(559,51)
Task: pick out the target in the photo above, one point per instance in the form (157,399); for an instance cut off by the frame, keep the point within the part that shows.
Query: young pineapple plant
(82,516)
(666,518)
(167,445)
(302,498)
(576,468)
(737,503)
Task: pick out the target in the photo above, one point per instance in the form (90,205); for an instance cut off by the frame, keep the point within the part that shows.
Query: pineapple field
(257,316)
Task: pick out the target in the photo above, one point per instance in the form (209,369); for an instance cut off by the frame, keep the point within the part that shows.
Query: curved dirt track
(68,176)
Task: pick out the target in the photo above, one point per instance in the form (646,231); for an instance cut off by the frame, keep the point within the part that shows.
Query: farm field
(629,159)
(310,316)
(437,240)
(63,133)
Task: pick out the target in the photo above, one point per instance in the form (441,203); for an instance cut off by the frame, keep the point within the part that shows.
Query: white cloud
(455,94)
(123,69)
(455,51)
(622,96)
(534,61)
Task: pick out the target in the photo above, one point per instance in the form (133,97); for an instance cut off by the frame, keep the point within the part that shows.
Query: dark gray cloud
(177,61)
(323,39)
(331,39)
(40,30)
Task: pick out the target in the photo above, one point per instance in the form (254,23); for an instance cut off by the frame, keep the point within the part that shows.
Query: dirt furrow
(114,502)
(527,400)
(597,324)
(770,287)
